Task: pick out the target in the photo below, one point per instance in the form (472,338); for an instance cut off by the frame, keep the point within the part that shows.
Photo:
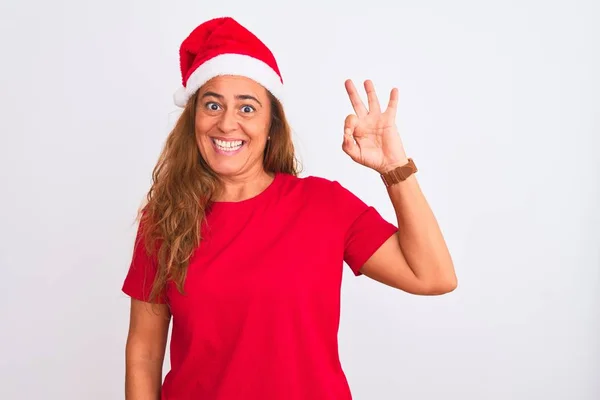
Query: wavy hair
(182,187)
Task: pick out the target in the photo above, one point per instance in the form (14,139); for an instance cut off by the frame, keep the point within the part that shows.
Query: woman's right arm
(145,349)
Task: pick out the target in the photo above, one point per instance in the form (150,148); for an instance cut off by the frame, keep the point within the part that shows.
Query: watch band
(399,174)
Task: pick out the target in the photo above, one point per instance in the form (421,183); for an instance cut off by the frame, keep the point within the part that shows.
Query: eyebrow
(239,96)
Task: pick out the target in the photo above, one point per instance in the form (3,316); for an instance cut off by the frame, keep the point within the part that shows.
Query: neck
(244,186)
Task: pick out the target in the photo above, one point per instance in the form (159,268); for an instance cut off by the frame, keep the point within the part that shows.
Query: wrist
(390,166)
(400,172)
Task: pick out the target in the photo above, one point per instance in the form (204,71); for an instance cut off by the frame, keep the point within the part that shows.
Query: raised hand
(371,137)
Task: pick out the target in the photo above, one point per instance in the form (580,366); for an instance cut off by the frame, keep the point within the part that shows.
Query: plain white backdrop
(499,107)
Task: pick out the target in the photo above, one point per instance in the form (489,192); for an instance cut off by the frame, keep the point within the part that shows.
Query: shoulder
(320,191)
(314,187)
(310,182)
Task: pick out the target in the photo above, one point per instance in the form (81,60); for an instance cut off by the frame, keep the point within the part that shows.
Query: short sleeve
(365,230)
(142,271)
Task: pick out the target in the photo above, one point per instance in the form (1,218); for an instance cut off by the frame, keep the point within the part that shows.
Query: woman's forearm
(420,237)
(143,380)
(145,350)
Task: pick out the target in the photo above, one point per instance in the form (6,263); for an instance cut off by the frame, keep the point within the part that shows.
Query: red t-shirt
(260,314)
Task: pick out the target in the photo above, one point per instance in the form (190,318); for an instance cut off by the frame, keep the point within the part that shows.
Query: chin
(228,165)
(227,169)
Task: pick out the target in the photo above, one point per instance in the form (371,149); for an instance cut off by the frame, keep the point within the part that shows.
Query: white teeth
(231,145)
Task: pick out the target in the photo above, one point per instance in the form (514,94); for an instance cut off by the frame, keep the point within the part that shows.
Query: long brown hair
(182,189)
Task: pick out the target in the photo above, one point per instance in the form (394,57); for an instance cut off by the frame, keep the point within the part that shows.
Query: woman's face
(233,116)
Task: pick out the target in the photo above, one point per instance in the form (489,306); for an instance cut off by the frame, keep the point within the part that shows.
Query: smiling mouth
(227,146)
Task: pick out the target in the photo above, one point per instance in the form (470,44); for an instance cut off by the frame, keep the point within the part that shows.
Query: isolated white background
(499,107)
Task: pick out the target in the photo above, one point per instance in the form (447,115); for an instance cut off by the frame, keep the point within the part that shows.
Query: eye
(212,106)
(247,109)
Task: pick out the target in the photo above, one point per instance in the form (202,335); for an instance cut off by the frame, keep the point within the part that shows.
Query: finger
(350,146)
(357,104)
(372,97)
(350,124)
(393,103)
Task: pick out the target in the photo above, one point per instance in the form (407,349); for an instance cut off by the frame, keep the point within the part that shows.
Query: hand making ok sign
(371,137)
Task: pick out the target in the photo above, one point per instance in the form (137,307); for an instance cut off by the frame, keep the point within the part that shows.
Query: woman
(246,257)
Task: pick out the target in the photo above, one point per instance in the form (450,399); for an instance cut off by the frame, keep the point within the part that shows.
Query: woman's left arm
(415,259)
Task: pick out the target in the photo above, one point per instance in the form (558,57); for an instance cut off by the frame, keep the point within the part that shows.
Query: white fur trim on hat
(230,64)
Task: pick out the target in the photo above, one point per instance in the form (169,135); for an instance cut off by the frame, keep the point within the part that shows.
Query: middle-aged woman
(246,257)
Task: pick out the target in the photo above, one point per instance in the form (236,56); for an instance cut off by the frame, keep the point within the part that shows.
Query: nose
(228,121)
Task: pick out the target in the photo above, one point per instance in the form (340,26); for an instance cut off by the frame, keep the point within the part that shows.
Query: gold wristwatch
(399,174)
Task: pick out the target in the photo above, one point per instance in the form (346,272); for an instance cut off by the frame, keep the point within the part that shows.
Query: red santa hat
(222,46)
